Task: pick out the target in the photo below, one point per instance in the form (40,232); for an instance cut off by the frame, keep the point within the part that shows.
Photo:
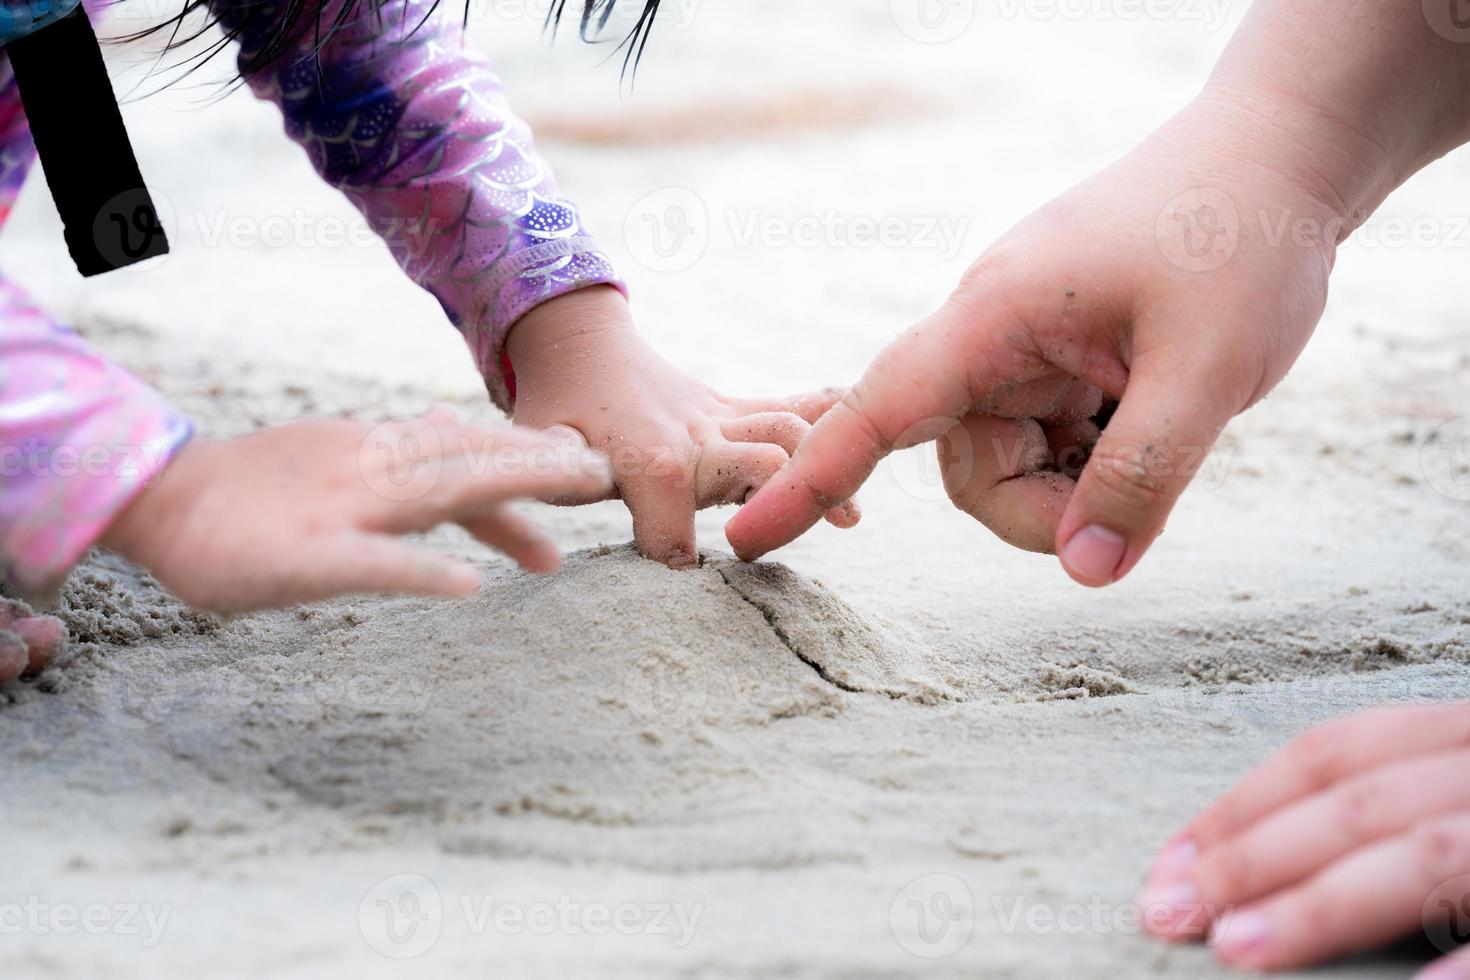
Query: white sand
(746,765)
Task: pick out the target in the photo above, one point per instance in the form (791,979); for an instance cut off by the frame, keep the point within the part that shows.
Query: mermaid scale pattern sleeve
(79,436)
(396,112)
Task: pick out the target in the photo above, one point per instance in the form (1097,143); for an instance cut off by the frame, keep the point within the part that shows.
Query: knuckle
(1227,873)
(1357,811)
(1457,716)
(811,407)
(1034,453)
(984,273)
(1129,475)
(1219,821)
(663,478)
(1318,914)
(769,460)
(967,494)
(1440,851)
(741,477)
(1078,401)
(1209,826)
(791,428)
(1240,367)
(1314,756)
(667,464)
(856,405)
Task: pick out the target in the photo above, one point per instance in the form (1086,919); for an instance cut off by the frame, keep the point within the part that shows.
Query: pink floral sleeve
(414,128)
(79,436)
(400,115)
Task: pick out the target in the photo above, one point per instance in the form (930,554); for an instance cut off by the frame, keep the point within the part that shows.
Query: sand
(901,750)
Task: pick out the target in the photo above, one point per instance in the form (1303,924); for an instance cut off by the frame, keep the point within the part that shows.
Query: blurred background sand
(999,739)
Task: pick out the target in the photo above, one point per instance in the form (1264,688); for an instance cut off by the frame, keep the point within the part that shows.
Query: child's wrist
(155,514)
(566,319)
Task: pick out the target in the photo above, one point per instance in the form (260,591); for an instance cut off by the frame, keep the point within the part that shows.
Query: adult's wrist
(1360,100)
(1338,172)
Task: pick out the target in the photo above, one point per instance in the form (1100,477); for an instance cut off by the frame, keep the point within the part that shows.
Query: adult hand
(1161,282)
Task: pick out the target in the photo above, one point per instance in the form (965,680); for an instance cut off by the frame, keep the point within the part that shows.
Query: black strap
(109,218)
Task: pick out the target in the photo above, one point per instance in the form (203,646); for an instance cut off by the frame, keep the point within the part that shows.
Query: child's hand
(1159,281)
(27,641)
(675,445)
(311,510)
(1354,835)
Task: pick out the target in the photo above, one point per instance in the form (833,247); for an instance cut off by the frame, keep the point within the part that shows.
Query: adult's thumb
(1157,440)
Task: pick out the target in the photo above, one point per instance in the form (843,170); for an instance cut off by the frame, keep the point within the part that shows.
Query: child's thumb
(1159,437)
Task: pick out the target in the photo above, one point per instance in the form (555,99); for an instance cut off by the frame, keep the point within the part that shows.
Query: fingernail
(1173,863)
(844,515)
(1169,907)
(1094,554)
(1239,934)
(731,531)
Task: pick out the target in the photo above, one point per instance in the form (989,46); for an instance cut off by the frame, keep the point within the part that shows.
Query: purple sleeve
(79,436)
(401,116)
